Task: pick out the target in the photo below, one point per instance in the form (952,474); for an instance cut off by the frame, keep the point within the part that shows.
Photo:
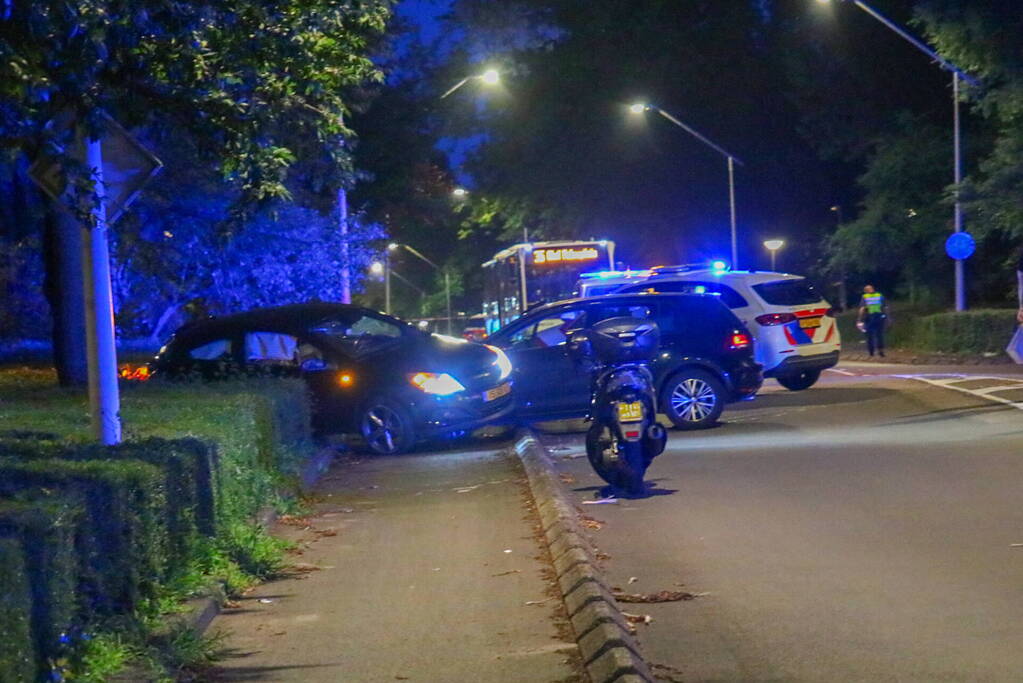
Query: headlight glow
(502,362)
(439,384)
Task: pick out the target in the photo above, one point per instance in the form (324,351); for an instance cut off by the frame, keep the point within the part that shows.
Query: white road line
(843,372)
(980,393)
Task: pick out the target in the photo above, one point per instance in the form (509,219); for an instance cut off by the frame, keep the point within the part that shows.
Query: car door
(548,380)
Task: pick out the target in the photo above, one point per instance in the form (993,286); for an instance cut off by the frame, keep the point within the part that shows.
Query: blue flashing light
(719,265)
(608,274)
(700,289)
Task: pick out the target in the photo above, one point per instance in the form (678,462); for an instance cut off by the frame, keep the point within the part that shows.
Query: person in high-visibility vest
(874,316)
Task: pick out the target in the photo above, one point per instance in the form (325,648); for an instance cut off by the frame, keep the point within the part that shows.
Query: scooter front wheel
(619,463)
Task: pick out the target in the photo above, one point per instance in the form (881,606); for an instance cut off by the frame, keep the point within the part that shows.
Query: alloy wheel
(382,428)
(693,399)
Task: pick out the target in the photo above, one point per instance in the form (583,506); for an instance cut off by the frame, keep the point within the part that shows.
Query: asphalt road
(861,530)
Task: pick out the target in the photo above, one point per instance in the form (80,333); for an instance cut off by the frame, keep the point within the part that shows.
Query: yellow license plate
(496,392)
(809,323)
(630,412)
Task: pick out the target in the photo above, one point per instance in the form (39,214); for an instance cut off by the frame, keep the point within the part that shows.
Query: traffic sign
(127,166)
(960,246)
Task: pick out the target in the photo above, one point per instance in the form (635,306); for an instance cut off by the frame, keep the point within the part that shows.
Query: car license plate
(809,323)
(630,412)
(496,392)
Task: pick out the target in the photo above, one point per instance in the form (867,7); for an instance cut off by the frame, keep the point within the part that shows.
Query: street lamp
(957,74)
(460,193)
(773,246)
(447,276)
(642,107)
(488,77)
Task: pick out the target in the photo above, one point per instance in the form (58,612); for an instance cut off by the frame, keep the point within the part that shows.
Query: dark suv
(705,360)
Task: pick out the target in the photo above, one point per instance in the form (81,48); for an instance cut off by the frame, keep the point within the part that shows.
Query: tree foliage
(984,37)
(249,81)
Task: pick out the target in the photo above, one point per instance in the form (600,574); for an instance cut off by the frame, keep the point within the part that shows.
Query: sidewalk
(415,567)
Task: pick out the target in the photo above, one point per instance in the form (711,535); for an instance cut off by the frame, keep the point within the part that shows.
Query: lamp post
(842,294)
(488,77)
(773,246)
(641,107)
(447,276)
(957,171)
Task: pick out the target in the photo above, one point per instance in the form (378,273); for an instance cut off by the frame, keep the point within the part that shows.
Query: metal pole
(455,87)
(731,203)
(387,281)
(447,293)
(346,269)
(960,277)
(101,351)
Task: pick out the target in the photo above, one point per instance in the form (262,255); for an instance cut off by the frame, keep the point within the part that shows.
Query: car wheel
(386,427)
(800,380)
(693,399)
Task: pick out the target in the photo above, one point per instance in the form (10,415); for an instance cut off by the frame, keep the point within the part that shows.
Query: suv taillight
(739,340)
(769,319)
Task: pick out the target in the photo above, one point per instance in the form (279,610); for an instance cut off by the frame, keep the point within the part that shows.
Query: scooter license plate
(630,412)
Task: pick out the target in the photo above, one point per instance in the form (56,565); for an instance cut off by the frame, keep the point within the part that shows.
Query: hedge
(40,542)
(17,651)
(190,484)
(124,554)
(146,504)
(968,332)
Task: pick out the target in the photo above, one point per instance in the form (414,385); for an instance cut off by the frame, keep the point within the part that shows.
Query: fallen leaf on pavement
(566,478)
(232,604)
(539,602)
(326,532)
(633,579)
(637,618)
(590,523)
(305,567)
(292,520)
(510,571)
(660,596)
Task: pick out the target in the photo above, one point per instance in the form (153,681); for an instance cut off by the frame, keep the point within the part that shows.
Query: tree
(984,37)
(253,83)
(899,234)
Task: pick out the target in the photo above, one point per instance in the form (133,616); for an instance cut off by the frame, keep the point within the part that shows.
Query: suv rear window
(788,292)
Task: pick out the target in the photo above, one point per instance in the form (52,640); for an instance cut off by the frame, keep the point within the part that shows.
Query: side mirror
(313,365)
(579,344)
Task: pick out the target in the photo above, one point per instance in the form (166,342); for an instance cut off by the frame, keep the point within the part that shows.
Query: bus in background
(533,273)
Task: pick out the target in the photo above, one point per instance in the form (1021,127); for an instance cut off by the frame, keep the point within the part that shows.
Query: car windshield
(788,292)
(360,334)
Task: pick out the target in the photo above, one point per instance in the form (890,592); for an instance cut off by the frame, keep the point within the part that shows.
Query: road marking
(843,372)
(949,382)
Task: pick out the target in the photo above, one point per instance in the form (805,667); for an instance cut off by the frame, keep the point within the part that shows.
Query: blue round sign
(960,246)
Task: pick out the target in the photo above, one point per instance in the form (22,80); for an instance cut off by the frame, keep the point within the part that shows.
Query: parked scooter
(624,437)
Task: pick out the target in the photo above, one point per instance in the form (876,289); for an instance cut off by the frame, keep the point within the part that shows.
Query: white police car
(794,329)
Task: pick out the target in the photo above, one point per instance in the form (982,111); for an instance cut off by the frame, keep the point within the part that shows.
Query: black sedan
(705,359)
(369,373)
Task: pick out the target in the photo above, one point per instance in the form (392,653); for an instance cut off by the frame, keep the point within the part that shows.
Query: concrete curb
(609,652)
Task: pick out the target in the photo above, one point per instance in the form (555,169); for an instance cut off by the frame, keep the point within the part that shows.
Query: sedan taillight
(770,319)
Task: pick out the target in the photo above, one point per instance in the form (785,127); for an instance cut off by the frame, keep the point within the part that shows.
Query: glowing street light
(957,75)
(376,268)
(488,77)
(460,192)
(773,246)
(642,107)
